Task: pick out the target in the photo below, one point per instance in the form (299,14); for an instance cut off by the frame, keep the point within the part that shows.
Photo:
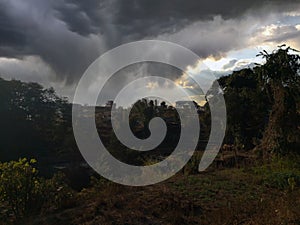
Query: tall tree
(33,120)
(279,76)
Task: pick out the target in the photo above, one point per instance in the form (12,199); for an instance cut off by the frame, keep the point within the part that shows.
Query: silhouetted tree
(279,76)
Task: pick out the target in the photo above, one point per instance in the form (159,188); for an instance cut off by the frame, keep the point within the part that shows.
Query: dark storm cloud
(137,19)
(12,37)
(82,17)
(69,34)
(32,28)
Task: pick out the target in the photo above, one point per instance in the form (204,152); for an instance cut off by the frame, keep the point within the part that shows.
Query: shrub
(20,187)
(59,194)
(26,194)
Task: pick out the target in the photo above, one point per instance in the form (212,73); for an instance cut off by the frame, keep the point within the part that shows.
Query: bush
(20,187)
(59,194)
(26,194)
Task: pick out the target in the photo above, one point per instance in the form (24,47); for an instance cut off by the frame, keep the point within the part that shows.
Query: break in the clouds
(54,41)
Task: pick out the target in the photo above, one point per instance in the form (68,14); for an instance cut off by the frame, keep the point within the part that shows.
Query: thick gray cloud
(31,28)
(284,33)
(140,18)
(12,37)
(83,17)
(69,34)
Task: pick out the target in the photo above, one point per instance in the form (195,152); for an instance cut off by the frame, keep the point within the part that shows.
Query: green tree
(279,77)
(247,108)
(34,121)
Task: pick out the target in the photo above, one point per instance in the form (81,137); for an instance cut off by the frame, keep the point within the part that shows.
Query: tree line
(262,103)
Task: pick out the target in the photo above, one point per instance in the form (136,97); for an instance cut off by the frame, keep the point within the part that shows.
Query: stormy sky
(54,41)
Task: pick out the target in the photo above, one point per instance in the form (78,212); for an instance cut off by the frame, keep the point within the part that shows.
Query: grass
(254,195)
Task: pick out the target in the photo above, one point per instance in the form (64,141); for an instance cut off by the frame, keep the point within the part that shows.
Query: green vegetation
(281,173)
(263,105)
(279,77)
(37,122)
(21,188)
(266,194)
(26,194)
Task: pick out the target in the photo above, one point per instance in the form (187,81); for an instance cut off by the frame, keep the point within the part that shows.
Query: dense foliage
(20,187)
(35,122)
(247,108)
(26,194)
(279,76)
(263,104)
